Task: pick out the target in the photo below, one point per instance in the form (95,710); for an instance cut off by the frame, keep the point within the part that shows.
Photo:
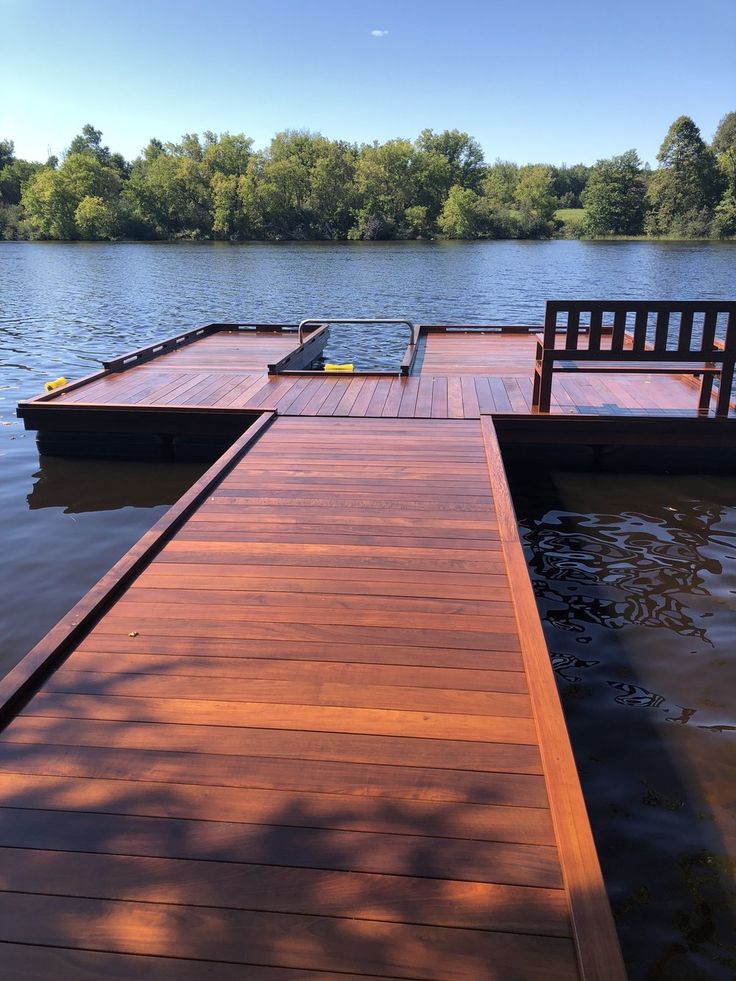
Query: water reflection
(80,486)
(651,704)
(641,569)
(63,526)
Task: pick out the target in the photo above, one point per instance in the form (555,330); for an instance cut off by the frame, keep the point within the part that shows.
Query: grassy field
(571,216)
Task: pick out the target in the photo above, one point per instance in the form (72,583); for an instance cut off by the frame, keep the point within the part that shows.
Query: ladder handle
(341,320)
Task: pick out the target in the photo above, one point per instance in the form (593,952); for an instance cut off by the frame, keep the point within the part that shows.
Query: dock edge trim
(594,932)
(22,681)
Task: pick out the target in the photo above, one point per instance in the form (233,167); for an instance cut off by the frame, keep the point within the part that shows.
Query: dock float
(308,727)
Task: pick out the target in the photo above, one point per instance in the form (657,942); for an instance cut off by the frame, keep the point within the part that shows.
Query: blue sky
(563,81)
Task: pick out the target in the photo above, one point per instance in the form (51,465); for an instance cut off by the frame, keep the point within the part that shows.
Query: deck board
(462,375)
(303,739)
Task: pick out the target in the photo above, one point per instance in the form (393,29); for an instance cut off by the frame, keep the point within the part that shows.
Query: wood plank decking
(305,740)
(308,726)
(218,373)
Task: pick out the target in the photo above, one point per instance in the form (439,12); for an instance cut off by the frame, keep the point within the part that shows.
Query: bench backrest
(686,327)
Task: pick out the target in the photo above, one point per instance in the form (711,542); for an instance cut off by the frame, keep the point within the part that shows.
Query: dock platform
(308,726)
(460,373)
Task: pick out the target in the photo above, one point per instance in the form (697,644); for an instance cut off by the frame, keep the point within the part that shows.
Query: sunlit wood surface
(304,743)
(460,377)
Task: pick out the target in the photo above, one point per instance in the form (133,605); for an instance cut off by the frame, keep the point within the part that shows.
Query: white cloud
(379,33)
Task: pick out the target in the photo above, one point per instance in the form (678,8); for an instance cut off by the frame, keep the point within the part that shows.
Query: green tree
(685,189)
(228,155)
(300,187)
(13,177)
(418,222)
(500,182)
(51,197)
(168,194)
(615,196)
(725,136)
(385,189)
(463,215)
(499,187)
(154,149)
(442,160)
(462,153)
(237,207)
(94,218)
(332,193)
(7,153)
(89,141)
(431,182)
(535,201)
(724,146)
(284,187)
(568,184)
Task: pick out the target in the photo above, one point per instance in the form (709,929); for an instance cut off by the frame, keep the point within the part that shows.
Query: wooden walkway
(308,729)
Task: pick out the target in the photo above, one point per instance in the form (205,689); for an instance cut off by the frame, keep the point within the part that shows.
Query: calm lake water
(64,307)
(635,578)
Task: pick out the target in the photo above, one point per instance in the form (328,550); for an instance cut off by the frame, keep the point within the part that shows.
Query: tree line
(304,186)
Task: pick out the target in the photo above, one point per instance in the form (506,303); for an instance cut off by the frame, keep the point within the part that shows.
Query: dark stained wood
(483,757)
(282,940)
(391,899)
(280,844)
(258,806)
(310,718)
(678,350)
(26,962)
(309,692)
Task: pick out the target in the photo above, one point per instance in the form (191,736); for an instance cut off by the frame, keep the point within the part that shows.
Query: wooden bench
(690,337)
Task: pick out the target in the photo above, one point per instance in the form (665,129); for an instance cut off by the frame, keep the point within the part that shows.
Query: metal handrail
(341,320)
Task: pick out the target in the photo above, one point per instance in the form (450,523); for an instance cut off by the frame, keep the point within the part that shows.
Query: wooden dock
(308,727)
(460,375)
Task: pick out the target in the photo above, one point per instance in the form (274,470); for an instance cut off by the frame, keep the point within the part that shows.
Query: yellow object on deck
(338,367)
(56,383)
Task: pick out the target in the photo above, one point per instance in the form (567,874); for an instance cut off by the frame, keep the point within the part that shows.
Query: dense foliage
(304,186)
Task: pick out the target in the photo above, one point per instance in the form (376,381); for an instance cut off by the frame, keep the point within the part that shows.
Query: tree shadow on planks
(312,882)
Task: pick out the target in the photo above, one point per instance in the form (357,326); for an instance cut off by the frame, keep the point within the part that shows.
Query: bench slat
(685,337)
(648,356)
(726,381)
(596,323)
(662,330)
(709,331)
(640,330)
(637,367)
(618,336)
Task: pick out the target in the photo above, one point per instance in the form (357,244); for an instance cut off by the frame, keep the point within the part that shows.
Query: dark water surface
(652,720)
(635,578)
